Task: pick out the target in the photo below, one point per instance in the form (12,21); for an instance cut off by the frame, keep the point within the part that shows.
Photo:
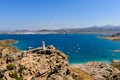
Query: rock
(100,71)
(6,48)
(43,63)
(37,64)
(115,61)
(116,64)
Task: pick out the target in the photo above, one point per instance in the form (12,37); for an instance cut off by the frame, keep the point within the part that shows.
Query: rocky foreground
(100,70)
(50,64)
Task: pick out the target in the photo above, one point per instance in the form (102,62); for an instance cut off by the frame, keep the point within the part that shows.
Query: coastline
(118,51)
(114,38)
(7,47)
(8,42)
(51,61)
(41,62)
(79,64)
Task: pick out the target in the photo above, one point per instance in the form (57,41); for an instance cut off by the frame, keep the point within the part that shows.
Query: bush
(1,79)
(14,75)
(20,78)
(21,69)
(10,66)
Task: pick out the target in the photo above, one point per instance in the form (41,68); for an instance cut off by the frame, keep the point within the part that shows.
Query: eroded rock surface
(100,70)
(38,64)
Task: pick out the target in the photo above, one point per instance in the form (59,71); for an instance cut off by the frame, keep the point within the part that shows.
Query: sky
(57,14)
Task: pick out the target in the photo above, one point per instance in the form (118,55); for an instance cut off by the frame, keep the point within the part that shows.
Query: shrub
(10,66)
(1,79)
(21,69)
(20,78)
(14,75)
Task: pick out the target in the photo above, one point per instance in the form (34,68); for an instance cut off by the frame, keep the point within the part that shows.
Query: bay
(81,48)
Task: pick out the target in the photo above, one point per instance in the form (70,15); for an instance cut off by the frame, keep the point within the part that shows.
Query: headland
(49,63)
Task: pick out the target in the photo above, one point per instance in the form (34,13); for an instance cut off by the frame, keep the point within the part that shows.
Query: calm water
(80,48)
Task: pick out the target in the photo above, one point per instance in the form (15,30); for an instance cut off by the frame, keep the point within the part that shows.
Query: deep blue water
(81,48)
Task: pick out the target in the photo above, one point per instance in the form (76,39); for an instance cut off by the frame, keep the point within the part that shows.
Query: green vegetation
(20,78)
(14,75)
(1,79)
(21,69)
(10,66)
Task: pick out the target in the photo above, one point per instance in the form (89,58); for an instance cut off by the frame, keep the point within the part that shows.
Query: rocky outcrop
(39,64)
(100,71)
(7,48)
(49,63)
(116,64)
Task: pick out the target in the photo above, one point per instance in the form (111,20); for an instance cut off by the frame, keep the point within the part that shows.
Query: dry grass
(82,75)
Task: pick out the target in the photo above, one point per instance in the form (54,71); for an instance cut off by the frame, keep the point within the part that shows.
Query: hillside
(107,29)
(38,64)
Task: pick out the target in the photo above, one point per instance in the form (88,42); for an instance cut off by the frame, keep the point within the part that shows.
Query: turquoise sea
(80,48)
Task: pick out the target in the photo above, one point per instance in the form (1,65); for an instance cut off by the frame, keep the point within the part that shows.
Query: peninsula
(48,63)
(114,37)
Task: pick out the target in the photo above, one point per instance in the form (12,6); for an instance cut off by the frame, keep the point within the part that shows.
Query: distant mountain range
(108,29)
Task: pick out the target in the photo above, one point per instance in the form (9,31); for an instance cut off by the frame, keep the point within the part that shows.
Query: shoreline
(6,46)
(39,59)
(10,42)
(106,62)
(113,38)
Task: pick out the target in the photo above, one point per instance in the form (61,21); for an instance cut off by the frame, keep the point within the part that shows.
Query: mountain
(107,29)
